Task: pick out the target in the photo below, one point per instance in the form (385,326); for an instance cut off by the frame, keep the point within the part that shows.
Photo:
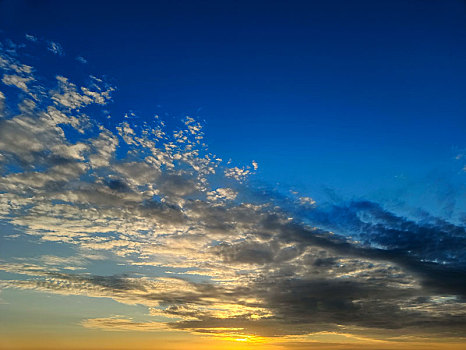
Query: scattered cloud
(236,173)
(18,81)
(149,196)
(307,201)
(222,194)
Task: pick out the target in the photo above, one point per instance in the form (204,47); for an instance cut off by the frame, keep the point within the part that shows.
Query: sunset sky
(270,175)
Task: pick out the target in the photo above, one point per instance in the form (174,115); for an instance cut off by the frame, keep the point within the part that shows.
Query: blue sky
(218,167)
(346,95)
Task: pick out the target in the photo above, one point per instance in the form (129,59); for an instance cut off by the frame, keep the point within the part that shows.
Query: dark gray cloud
(297,305)
(430,238)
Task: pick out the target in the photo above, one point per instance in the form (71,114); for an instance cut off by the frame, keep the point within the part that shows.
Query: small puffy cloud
(69,96)
(307,201)
(222,194)
(16,80)
(239,174)
(55,48)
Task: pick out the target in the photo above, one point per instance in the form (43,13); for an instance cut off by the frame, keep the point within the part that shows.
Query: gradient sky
(233,174)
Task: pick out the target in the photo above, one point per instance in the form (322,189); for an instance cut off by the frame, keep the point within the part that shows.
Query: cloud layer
(233,262)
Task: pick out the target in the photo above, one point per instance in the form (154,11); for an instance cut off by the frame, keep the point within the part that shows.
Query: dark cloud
(430,238)
(117,185)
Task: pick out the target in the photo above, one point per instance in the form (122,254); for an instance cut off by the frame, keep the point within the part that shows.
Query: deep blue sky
(356,96)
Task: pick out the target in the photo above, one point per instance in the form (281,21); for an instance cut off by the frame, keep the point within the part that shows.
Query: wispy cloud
(31,37)
(55,48)
(81,59)
(118,324)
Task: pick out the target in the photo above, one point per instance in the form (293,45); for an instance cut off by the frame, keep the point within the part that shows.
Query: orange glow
(183,341)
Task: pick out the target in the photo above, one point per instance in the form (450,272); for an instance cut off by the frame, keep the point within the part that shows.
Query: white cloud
(68,95)
(222,194)
(18,81)
(239,174)
(2,103)
(307,201)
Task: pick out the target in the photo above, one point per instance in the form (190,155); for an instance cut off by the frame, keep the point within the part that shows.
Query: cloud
(15,80)
(2,102)
(69,97)
(16,73)
(31,37)
(81,59)
(118,324)
(222,194)
(429,239)
(236,173)
(55,48)
(307,201)
(275,305)
(240,264)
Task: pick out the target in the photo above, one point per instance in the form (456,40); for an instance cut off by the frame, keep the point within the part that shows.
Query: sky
(232,175)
